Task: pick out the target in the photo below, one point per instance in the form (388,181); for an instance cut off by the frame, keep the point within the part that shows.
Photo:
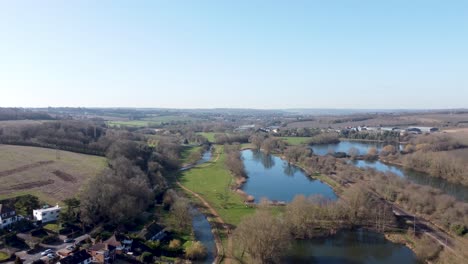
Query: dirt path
(219,245)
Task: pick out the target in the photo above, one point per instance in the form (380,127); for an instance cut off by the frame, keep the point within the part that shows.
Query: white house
(7,216)
(47,214)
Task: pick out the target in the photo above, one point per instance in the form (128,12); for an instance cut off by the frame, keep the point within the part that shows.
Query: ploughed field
(40,171)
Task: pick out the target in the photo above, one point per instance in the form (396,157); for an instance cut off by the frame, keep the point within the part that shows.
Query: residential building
(102,253)
(80,257)
(7,216)
(121,243)
(47,214)
(153,232)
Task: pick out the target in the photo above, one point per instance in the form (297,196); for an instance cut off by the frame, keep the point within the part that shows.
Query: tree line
(265,237)
(22,114)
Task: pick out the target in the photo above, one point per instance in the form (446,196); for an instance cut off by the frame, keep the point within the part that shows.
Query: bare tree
(263,237)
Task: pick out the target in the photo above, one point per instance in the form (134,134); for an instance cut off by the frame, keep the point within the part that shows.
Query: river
(202,230)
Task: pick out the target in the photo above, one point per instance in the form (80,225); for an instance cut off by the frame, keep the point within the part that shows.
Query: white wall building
(7,216)
(47,214)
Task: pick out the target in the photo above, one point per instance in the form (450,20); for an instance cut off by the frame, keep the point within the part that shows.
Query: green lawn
(52,227)
(211,180)
(208,135)
(296,140)
(4,256)
(187,151)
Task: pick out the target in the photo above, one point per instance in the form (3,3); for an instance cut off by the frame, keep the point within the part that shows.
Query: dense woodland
(22,114)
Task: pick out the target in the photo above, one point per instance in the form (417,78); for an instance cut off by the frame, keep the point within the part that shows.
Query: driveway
(35,255)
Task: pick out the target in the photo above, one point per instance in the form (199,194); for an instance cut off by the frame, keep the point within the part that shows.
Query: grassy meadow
(296,140)
(212,180)
(208,135)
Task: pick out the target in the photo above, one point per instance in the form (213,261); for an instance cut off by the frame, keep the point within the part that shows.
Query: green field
(211,180)
(187,151)
(296,140)
(208,135)
(156,120)
(45,173)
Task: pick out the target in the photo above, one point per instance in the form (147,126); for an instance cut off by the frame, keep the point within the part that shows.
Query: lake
(344,146)
(350,247)
(459,191)
(275,179)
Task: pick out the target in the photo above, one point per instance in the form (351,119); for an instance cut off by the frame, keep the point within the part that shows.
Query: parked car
(51,255)
(71,248)
(46,252)
(69,240)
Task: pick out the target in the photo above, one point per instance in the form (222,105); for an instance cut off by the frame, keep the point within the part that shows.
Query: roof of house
(151,230)
(57,207)
(6,209)
(78,257)
(113,241)
(101,246)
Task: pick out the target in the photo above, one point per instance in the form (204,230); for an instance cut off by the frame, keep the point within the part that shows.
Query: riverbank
(208,185)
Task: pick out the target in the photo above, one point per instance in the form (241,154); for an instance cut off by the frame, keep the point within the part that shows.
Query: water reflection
(360,246)
(290,170)
(275,179)
(267,160)
(202,230)
(459,191)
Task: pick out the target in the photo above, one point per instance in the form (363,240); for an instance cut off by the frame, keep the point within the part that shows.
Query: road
(30,258)
(423,226)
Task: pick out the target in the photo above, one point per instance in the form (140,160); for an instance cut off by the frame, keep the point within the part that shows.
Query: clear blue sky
(243,54)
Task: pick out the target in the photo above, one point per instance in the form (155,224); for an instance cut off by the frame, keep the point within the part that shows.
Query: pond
(350,247)
(275,179)
(202,230)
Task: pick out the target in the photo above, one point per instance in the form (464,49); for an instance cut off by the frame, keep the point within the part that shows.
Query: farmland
(40,171)
(155,120)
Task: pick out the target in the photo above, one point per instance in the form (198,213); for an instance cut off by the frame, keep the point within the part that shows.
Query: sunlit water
(275,179)
(459,191)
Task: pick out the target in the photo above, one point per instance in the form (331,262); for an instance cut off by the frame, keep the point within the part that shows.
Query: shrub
(49,239)
(146,257)
(196,251)
(459,229)
(174,244)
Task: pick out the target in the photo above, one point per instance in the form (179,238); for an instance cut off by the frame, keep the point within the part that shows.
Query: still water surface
(275,179)
(203,233)
(459,191)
